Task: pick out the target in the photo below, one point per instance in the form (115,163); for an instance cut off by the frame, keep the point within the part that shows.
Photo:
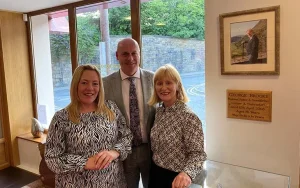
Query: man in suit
(252,46)
(117,87)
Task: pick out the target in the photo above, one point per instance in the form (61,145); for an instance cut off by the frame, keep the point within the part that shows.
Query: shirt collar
(178,104)
(136,75)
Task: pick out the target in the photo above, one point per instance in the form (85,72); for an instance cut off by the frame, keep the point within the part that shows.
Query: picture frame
(250,42)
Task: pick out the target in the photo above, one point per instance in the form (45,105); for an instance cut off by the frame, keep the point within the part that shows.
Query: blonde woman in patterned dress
(177,140)
(88,140)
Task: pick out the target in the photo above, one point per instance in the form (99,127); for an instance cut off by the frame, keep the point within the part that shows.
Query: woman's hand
(104,158)
(90,164)
(182,180)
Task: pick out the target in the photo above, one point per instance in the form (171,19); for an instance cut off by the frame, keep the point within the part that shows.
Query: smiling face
(166,90)
(88,88)
(128,55)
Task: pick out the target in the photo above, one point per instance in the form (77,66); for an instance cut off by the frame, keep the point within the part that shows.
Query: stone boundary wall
(187,55)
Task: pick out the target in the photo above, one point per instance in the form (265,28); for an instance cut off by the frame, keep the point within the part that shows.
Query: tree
(88,37)
(118,24)
(177,18)
(60,47)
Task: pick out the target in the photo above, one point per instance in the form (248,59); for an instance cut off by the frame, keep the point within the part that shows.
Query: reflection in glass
(221,175)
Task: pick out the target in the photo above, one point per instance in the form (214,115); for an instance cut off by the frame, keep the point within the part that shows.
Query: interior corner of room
(265,146)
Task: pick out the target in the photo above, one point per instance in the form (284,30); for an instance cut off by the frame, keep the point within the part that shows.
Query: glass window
(51,45)
(98,32)
(173,32)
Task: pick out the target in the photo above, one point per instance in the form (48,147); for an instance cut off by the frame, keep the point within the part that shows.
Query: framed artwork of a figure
(249,42)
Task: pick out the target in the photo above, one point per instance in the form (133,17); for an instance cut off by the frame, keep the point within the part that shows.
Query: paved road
(193,83)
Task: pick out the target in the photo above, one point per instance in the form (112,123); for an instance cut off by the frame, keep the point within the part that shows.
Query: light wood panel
(3,157)
(3,114)
(2,151)
(29,137)
(17,79)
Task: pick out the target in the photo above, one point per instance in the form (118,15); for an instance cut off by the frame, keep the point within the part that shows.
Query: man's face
(128,55)
(249,33)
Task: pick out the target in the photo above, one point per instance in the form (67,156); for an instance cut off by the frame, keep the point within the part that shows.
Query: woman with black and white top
(88,140)
(177,139)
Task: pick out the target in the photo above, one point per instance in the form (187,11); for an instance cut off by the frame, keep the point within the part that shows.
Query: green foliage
(118,24)
(236,50)
(60,47)
(175,18)
(88,37)
(181,18)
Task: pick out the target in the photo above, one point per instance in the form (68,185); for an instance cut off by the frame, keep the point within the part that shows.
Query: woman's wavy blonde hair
(168,71)
(73,107)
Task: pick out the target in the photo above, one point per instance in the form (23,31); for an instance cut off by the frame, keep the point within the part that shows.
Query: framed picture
(249,42)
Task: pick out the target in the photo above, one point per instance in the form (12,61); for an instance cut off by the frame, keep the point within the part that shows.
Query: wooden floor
(15,178)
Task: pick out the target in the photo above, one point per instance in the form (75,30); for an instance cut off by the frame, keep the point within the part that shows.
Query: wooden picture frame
(250,42)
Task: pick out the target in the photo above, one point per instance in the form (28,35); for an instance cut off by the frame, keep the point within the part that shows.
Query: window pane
(51,44)
(173,32)
(98,31)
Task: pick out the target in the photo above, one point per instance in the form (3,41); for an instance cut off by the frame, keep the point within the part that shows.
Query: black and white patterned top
(69,146)
(177,139)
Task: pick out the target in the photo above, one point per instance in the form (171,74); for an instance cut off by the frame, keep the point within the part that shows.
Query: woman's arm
(194,142)
(123,144)
(56,157)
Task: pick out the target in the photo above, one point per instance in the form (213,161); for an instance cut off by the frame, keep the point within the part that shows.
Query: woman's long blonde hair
(168,71)
(73,107)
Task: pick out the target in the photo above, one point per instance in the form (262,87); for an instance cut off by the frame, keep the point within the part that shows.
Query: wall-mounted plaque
(249,104)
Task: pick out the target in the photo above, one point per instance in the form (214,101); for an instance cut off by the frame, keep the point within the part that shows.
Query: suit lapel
(146,87)
(146,83)
(117,92)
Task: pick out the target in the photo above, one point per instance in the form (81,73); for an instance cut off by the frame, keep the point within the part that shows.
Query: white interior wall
(42,58)
(268,146)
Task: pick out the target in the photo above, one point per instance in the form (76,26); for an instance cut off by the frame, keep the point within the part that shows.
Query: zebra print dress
(69,145)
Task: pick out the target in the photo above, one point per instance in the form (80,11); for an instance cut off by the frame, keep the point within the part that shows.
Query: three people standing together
(110,122)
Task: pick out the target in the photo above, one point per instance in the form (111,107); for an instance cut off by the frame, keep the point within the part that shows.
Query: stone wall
(61,73)
(187,55)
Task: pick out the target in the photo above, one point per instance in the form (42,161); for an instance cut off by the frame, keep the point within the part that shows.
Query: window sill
(29,137)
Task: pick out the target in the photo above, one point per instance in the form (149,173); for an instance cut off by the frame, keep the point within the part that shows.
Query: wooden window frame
(135,29)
